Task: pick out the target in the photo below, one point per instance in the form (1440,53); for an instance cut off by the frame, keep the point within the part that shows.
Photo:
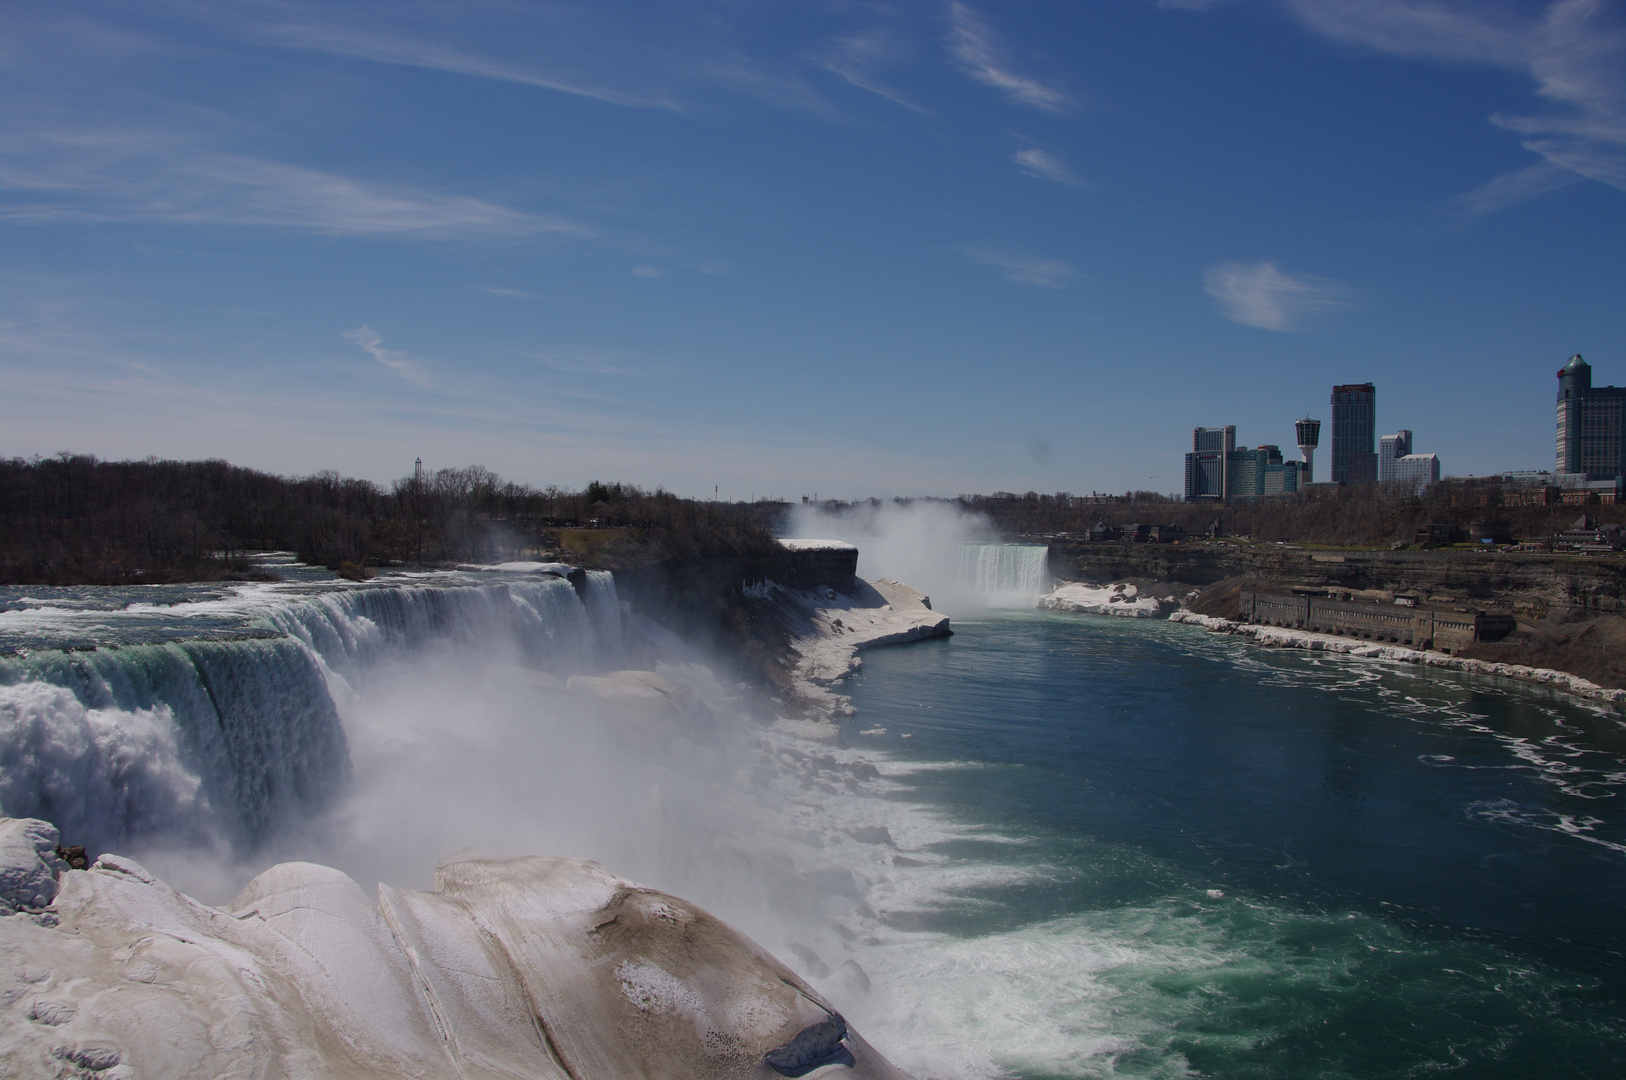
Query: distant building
(1262,473)
(1219,472)
(1591,424)
(1354,427)
(1588,535)
(1207,466)
(1391,448)
(1416,472)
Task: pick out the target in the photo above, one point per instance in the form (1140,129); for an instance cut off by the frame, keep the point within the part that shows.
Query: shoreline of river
(1279,637)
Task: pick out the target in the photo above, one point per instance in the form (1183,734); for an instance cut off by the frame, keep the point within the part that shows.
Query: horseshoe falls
(1052,845)
(1003,575)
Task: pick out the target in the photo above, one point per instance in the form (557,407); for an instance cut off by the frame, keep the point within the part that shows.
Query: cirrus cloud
(1046,273)
(1260,294)
(1574,52)
(1042,166)
(974,47)
(371,342)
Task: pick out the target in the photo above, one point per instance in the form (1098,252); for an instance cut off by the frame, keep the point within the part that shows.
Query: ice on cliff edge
(530,967)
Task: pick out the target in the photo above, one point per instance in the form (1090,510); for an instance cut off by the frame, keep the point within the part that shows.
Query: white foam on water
(97,769)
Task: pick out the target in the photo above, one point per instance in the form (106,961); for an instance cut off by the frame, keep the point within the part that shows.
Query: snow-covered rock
(829,629)
(28,864)
(1121,599)
(537,967)
(1288,638)
(816,545)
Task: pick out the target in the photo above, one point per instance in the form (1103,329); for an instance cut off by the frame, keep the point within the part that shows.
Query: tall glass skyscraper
(1591,423)
(1208,464)
(1354,426)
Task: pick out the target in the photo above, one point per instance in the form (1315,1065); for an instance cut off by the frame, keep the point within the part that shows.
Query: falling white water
(951,555)
(235,732)
(1004,575)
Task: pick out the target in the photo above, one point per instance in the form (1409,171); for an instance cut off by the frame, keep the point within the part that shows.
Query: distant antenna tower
(1309,433)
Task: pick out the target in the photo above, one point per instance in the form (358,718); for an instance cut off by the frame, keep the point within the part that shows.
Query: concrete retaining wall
(1420,627)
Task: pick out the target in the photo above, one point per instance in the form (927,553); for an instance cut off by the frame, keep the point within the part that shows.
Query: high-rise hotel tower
(1591,424)
(1354,424)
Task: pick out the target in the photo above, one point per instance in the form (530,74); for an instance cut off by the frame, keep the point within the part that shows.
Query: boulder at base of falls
(29,865)
(537,967)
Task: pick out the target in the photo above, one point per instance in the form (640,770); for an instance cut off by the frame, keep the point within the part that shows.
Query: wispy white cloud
(644,270)
(1042,166)
(371,342)
(587,360)
(855,59)
(100,175)
(516,294)
(766,81)
(304,32)
(1574,52)
(976,49)
(1515,187)
(1047,273)
(1259,294)
(640,59)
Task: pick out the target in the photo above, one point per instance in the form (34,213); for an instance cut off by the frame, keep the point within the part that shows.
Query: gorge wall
(1533,586)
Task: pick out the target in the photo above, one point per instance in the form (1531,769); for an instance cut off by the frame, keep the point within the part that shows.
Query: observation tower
(1309,434)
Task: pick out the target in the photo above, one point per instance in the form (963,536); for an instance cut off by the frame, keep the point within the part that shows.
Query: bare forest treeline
(1359,515)
(72,519)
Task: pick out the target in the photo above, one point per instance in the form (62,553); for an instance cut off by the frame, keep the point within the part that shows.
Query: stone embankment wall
(1424,628)
(1533,586)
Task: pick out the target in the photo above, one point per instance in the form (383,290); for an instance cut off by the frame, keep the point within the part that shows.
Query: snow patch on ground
(1122,599)
(817,545)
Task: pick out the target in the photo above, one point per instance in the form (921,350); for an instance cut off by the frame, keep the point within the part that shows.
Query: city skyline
(912,248)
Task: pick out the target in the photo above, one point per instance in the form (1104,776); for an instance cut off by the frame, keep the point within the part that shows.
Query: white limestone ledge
(1283,637)
(543,967)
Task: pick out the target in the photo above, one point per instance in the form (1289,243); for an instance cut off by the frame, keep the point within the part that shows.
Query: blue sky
(779,248)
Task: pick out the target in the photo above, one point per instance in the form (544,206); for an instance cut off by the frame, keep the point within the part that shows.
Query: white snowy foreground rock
(1120,599)
(538,967)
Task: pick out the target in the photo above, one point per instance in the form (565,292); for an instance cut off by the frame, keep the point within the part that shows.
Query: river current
(1177,854)
(1052,845)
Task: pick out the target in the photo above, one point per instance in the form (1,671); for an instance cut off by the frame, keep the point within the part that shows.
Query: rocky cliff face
(1533,586)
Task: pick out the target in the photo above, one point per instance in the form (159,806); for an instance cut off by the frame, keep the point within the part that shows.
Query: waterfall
(1003,575)
(604,608)
(196,739)
(218,740)
(540,617)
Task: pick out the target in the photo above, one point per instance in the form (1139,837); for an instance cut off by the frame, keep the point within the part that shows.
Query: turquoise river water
(1201,857)
(1051,845)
